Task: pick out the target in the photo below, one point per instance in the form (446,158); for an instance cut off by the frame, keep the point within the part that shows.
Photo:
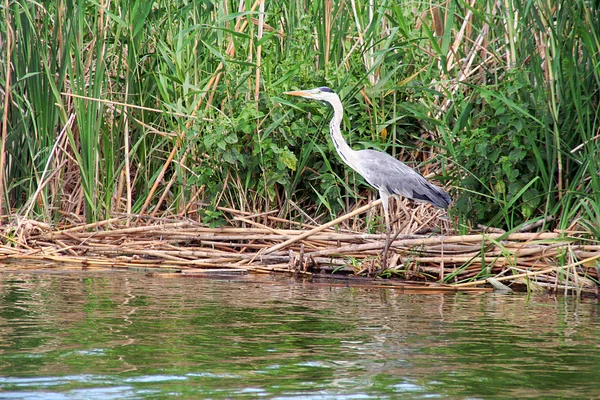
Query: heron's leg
(385,202)
(386,209)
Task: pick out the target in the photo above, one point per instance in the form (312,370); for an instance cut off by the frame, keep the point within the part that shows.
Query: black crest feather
(325,89)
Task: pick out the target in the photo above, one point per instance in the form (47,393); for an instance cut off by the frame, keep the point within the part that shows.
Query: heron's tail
(433,195)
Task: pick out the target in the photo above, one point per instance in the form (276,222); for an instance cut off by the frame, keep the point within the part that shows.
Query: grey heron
(388,175)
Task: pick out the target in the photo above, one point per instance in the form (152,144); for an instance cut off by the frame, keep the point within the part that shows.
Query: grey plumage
(387,174)
(382,171)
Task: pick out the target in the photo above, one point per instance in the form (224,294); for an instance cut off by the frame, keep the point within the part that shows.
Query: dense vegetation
(175,107)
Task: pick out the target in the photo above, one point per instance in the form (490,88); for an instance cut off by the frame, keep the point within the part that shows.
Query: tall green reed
(504,93)
(519,85)
(38,65)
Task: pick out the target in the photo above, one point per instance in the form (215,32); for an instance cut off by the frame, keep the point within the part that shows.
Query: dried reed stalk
(186,246)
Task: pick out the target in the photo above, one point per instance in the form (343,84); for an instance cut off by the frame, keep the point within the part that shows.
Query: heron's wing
(393,177)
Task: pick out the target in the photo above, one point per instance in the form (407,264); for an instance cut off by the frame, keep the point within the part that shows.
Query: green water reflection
(130,336)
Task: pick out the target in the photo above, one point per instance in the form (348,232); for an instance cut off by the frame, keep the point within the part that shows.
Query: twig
(529,274)
(323,227)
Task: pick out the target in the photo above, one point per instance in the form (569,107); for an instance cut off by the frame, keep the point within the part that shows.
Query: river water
(125,335)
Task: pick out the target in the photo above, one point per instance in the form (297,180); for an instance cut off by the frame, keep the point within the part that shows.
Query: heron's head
(321,93)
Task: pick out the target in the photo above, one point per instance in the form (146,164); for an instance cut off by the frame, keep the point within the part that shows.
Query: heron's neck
(343,149)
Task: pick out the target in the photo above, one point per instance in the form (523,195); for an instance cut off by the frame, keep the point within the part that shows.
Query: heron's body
(392,177)
(382,171)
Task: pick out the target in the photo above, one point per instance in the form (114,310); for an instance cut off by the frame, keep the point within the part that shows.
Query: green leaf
(229,157)
(289,159)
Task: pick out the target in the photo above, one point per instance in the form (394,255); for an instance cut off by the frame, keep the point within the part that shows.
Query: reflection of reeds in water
(553,261)
(67,325)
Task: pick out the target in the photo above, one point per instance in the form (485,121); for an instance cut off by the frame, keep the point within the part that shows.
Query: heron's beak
(301,93)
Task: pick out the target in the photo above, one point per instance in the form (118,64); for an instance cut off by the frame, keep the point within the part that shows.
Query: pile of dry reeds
(552,260)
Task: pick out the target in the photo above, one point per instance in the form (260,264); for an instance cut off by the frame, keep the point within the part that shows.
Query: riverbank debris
(555,261)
